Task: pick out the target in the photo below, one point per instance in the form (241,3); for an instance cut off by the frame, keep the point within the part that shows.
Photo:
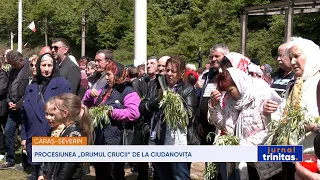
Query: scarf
(239,61)
(56,132)
(312,67)
(103,96)
(311,52)
(244,85)
(251,90)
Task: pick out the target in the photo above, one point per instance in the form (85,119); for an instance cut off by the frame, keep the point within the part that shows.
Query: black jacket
(136,84)
(66,170)
(202,112)
(149,92)
(71,72)
(18,81)
(3,92)
(187,92)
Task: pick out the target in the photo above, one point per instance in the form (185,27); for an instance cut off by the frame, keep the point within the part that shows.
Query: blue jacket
(33,118)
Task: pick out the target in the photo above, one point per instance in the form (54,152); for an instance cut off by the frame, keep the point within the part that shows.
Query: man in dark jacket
(149,87)
(18,81)
(215,58)
(66,68)
(3,108)
(102,59)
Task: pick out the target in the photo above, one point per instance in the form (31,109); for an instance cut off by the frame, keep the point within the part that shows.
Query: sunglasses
(56,48)
(32,65)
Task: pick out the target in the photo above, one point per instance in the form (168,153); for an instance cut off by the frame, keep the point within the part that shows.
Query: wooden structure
(286,7)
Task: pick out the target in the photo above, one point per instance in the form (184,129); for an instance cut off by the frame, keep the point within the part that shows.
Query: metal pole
(140,32)
(45,31)
(288,26)
(20,26)
(11,39)
(199,57)
(243,30)
(83,40)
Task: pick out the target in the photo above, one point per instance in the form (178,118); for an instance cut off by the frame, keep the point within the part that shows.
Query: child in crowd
(69,119)
(57,128)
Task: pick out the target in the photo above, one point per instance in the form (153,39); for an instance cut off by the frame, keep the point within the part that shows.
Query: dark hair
(14,56)
(72,104)
(224,81)
(152,57)
(141,66)
(225,63)
(191,79)
(39,78)
(108,55)
(132,72)
(64,42)
(84,59)
(200,70)
(119,74)
(256,61)
(179,62)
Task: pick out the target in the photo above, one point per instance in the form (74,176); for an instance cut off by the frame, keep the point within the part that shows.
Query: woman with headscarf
(303,93)
(239,114)
(44,86)
(239,61)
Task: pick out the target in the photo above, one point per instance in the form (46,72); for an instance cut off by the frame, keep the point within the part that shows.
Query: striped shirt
(280,84)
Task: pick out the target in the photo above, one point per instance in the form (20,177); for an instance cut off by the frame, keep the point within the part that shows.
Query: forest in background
(175,27)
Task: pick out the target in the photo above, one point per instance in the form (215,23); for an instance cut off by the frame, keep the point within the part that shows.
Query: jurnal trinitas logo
(280,153)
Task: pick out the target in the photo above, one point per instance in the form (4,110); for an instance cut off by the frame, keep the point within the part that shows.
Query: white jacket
(309,101)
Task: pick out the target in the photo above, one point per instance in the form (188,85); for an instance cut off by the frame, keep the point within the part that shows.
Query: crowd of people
(49,94)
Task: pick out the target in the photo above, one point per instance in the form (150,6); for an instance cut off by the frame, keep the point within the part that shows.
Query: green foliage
(175,27)
(175,115)
(291,127)
(211,169)
(99,116)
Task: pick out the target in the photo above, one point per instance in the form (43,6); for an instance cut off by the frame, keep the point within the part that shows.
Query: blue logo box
(280,153)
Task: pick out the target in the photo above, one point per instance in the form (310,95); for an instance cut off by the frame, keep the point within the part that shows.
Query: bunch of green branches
(211,169)
(6,67)
(174,112)
(99,115)
(291,126)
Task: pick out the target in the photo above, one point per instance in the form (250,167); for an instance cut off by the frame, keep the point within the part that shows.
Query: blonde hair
(72,104)
(191,67)
(33,58)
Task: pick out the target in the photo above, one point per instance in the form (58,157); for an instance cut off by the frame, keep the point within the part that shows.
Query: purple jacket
(129,112)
